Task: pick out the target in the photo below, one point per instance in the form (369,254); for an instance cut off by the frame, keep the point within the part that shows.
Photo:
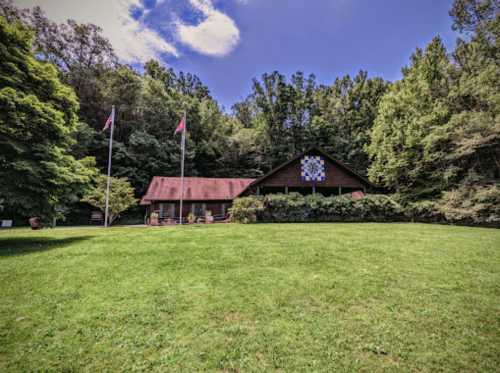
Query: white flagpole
(109,165)
(183,151)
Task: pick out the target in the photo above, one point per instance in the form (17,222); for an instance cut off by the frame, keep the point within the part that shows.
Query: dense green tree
(407,145)
(438,130)
(124,90)
(475,96)
(474,151)
(245,112)
(296,114)
(183,83)
(38,115)
(161,108)
(235,150)
(473,16)
(346,111)
(121,196)
(272,97)
(84,59)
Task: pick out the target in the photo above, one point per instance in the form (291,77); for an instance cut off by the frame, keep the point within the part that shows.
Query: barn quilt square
(312,168)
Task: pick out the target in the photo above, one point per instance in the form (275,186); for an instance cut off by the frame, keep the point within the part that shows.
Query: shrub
(245,209)
(328,208)
(293,207)
(472,205)
(284,208)
(478,205)
(379,207)
(424,211)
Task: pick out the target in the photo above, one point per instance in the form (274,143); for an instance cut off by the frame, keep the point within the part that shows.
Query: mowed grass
(282,297)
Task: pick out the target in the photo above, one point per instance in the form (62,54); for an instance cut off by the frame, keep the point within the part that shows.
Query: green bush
(466,205)
(424,211)
(472,205)
(284,208)
(379,207)
(329,208)
(293,207)
(245,209)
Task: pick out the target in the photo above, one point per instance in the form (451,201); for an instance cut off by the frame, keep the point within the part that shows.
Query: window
(167,210)
(198,209)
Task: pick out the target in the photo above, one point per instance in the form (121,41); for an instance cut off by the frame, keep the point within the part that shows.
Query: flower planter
(35,223)
(154,218)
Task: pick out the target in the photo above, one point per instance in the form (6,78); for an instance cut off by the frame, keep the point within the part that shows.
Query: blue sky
(229,42)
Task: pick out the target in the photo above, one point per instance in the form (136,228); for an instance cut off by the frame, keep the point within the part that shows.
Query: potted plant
(153,218)
(35,223)
(209,219)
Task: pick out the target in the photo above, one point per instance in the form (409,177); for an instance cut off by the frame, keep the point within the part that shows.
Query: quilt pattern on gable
(312,168)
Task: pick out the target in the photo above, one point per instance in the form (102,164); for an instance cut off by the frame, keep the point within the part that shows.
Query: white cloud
(216,35)
(131,40)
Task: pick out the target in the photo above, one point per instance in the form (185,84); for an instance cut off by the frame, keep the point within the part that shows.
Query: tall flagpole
(109,164)
(183,151)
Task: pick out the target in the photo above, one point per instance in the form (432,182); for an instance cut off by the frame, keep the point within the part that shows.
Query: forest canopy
(431,137)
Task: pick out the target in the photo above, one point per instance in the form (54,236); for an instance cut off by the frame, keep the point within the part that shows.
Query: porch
(168,212)
(326,191)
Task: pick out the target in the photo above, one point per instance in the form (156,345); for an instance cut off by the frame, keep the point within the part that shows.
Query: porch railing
(165,218)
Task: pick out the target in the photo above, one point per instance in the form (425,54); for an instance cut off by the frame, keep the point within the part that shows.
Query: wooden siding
(289,176)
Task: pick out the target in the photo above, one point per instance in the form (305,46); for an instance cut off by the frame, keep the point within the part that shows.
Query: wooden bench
(96,217)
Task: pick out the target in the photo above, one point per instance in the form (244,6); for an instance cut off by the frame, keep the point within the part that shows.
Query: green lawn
(294,297)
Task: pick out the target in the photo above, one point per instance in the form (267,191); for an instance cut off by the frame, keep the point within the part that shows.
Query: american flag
(180,126)
(110,121)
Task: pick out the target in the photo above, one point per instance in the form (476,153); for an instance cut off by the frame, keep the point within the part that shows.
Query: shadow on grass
(26,245)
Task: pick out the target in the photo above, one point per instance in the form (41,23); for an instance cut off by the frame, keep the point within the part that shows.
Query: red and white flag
(110,121)
(181,126)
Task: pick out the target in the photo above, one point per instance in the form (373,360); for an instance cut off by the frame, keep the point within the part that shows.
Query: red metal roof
(195,189)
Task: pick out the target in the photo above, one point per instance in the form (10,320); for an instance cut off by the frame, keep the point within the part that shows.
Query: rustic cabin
(201,194)
(311,172)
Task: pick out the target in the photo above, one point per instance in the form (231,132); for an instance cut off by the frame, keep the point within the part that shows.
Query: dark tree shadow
(26,245)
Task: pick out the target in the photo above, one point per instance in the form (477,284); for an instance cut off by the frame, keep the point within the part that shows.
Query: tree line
(433,137)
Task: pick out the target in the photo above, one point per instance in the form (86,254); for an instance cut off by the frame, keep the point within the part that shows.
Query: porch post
(286,189)
(314,189)
(258,191)
(340,190)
